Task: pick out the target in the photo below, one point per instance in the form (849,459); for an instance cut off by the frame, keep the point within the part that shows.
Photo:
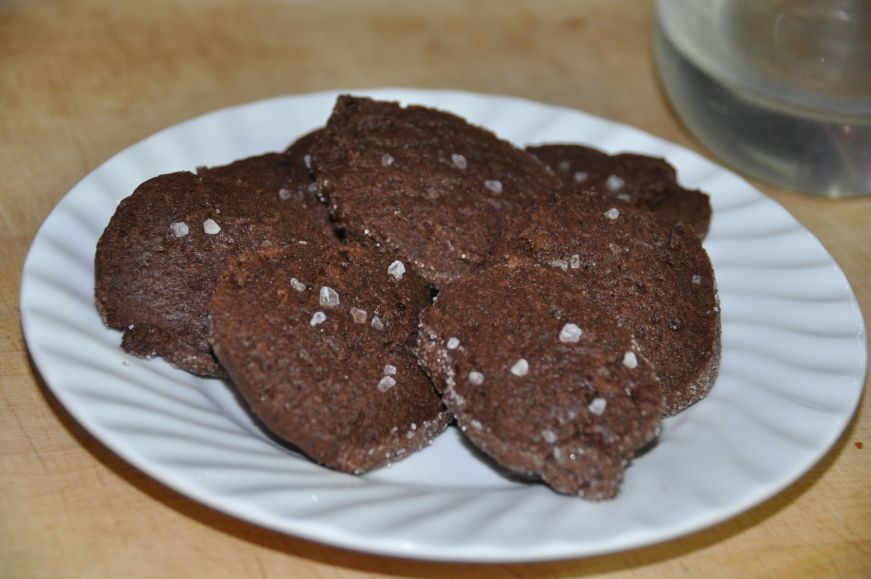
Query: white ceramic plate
(793,366)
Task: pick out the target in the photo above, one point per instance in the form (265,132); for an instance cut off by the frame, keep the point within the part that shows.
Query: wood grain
(81,80)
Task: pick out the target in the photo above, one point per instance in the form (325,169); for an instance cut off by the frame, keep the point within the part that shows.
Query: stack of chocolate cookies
(400,269)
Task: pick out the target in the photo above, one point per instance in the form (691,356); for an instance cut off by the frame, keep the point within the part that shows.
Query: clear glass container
(780,89)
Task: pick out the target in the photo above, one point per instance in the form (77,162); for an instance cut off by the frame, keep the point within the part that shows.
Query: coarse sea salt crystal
(580,176)
(396,269)
(459,161)
(389,370)
(386,383)
(597,406)
(284,194)
(493,185)
(697,279)
(560,263)
(630,360)
(377,323)
(180,229)
(297,285)
(614,183)
(210,227)
(570,334)
(575,261)
(329,298)
(307,159)
(549,436)
(476,378)
(453,343)
(318,318)
(564,165)
(520,367)
(612,213)
(386,159)
(358,315)
(456,398)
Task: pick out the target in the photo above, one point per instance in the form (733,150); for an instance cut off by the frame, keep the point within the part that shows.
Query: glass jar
(780,89)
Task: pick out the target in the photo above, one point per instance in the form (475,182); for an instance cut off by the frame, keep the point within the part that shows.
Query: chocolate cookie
(656,281)
(540,378)
(424,184)
(629,179)
(160,256)
(286,174)
(321,346)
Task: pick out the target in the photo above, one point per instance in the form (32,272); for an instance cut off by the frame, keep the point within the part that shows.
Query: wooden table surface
(81,80)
